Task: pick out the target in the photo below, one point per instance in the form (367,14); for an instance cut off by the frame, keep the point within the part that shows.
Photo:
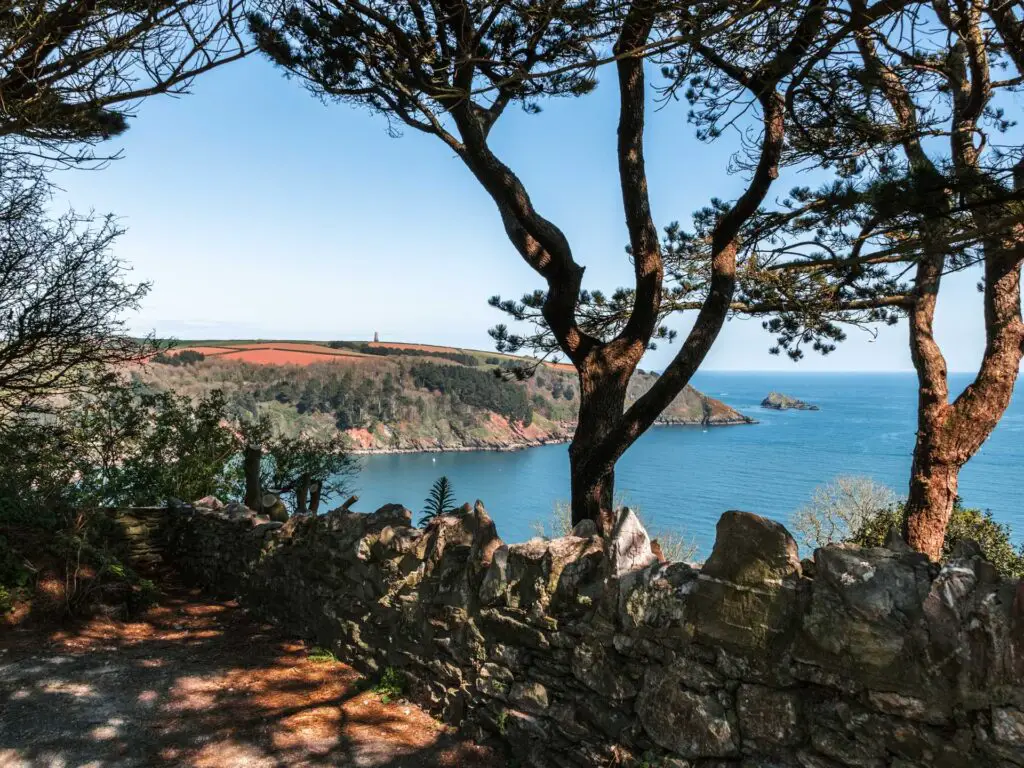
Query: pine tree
(453,69)
(441,500)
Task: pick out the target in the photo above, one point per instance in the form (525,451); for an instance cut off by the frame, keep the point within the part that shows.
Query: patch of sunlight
(219,754)
(78,690)
(148,697)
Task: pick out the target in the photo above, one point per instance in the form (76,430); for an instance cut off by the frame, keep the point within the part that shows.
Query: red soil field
(298,346)
(299,353)
(275,356)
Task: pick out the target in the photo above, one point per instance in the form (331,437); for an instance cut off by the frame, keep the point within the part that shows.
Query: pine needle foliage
(441,500)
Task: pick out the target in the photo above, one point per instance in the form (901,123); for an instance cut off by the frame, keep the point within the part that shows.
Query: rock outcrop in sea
(780,402)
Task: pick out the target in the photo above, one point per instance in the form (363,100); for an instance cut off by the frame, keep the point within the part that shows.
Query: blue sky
(258,212)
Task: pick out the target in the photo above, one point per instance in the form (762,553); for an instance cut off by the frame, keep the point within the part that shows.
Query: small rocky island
(780,402)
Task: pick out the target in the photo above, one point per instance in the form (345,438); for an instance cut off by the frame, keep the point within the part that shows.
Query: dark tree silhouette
(71,71)
(62,296)
(451,70)
(310,468)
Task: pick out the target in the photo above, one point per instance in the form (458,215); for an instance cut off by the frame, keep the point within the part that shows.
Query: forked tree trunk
(251,466)
(949,434)
(314,496)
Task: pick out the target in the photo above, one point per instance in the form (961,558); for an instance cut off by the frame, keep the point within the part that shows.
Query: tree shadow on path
(198,682)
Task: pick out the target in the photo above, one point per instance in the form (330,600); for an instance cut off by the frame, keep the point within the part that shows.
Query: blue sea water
(683,478)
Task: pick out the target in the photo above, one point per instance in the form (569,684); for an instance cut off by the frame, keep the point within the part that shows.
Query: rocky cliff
(584,652)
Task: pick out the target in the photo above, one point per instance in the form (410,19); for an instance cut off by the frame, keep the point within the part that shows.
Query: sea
(683,478)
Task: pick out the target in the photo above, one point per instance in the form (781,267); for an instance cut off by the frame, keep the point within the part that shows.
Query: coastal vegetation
(903,110)
(857,510)
(592,643)
(910,191)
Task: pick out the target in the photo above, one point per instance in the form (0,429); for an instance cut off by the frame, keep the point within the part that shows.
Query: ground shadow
(198,681)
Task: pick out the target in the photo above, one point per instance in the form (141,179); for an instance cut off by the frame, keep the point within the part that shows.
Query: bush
(114,447)
(994,538)
(838,509)
(390,686)
(441,500)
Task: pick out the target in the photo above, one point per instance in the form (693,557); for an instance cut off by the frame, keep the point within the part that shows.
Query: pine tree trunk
(251,466)
(602,402)
(314,497)
(933,492)
(301,495)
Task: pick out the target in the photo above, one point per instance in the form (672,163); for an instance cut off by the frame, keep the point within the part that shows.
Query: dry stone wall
(580,652)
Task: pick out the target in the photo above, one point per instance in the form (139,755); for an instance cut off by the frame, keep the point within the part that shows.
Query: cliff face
(407,400)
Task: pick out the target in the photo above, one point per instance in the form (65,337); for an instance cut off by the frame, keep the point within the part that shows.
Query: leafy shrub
(838,509)
(320,655)
(994,538)
(115,447)
(390,686)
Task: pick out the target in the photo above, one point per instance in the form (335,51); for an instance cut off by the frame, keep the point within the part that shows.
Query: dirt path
(197,682)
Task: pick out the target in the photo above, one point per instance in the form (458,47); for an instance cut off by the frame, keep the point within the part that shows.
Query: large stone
(752,550)
(530,696)
(744,620)
(661,601)
(277,512)
(629,545)
(767,715)
(533,574)
(690,724)
(602,671)
(865,606)
(390,514)
(209,502)
(485,537)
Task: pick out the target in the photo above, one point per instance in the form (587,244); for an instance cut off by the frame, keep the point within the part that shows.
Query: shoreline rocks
(538,442)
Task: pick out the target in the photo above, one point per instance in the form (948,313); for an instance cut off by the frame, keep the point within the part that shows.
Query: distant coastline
(536,443)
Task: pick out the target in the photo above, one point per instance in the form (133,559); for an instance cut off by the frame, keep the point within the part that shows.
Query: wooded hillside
(389,398)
